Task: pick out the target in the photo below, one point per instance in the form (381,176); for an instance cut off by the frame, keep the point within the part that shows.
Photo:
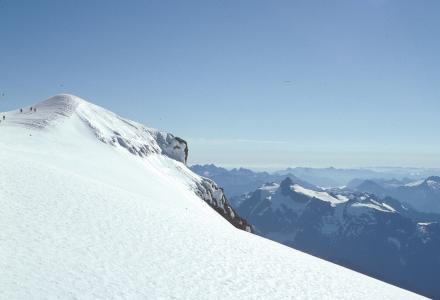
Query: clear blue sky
(263,84)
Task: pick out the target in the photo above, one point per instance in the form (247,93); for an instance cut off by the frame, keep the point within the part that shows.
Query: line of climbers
(31,109)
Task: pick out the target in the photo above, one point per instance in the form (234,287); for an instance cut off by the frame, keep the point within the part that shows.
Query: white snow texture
(83,218)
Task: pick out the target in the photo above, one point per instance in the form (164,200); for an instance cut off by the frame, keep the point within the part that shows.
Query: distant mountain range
(379,237)
(335,177)
(422,195)
(378,225)
(239,181)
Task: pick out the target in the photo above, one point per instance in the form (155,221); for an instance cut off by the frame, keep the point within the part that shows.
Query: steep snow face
(81,219)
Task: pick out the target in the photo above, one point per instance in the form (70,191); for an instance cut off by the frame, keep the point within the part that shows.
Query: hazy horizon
(275,168)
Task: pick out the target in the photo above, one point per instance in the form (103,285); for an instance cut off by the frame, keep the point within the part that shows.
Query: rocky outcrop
(215,197)
(172,146)
(136,138)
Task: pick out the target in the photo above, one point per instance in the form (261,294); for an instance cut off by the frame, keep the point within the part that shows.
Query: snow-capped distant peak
(432,182)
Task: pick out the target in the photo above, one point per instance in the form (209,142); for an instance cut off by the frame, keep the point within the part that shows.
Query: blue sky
(262,84)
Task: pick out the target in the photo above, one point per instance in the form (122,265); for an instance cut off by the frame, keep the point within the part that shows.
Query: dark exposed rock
(215,197)
(182,141)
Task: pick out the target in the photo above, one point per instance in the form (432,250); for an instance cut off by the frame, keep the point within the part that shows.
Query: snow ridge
(48,112)
(108,127)
(119,132)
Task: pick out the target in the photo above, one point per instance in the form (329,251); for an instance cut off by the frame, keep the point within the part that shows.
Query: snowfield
(82,218)
(323,196)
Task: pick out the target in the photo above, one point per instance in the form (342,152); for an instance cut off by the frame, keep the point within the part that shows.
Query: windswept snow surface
(81,219)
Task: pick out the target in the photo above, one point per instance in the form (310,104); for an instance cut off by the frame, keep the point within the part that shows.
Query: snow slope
(323,196)
(82,217)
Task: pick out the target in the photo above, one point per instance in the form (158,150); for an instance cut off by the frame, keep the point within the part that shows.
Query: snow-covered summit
(67,117)
(105,125)
(45,113)
(430,182)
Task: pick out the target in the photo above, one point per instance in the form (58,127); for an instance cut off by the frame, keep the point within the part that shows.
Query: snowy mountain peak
(433,182)
(45,113)
(62,100)
(108,127)
(69,120)
(285,185)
